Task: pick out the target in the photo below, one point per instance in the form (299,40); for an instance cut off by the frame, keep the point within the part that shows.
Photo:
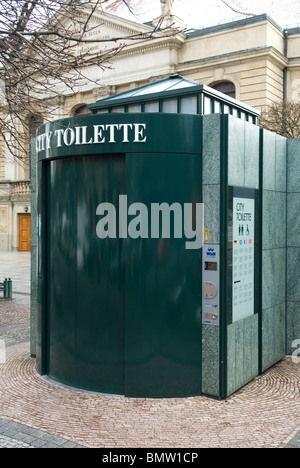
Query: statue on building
(167,19)
(166,8)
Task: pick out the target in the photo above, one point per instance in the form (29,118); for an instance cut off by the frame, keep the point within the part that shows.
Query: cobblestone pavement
(14,323)
(14,330)
(37,412)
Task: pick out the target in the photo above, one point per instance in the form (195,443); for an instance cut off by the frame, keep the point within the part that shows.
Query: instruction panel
(243,258)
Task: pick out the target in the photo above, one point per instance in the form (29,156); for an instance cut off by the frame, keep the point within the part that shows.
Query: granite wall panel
(274,233)
(211,199)
(243,171)
(293,244)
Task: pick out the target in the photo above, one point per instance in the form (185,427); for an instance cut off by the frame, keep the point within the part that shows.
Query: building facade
(254,60)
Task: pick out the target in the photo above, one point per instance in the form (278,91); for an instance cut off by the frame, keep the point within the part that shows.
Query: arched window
(82,110)
(225,87)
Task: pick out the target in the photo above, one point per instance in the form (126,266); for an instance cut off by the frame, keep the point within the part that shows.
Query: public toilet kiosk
(150,256)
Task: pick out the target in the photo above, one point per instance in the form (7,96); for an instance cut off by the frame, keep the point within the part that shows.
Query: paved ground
(36,412)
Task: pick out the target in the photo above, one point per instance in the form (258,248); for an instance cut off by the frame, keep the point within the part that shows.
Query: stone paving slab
(16,334)
(294,442)
(12,314)
(15,435)
(8,442)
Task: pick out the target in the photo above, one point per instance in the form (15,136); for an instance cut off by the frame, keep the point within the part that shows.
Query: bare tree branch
(236,9)
(45,49)
(282,118)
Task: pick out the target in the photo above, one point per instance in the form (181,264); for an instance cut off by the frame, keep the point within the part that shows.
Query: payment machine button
(210,316)
(210,290)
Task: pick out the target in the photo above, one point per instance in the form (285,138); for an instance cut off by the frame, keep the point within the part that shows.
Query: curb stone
(15,435)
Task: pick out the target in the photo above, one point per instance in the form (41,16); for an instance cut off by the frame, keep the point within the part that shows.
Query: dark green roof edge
(233,25)
(237,24)
(292,31)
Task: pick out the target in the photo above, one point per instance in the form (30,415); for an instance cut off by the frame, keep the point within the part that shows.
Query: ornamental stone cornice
(172,43)
(237,56)
(294,63)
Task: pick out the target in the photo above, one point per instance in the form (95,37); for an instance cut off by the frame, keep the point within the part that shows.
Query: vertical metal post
(285,70)
(5,288)
(223,255)
(9,288)
(260,322)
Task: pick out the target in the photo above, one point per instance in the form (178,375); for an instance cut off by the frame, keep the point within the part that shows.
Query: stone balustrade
(15,190)
(21,189)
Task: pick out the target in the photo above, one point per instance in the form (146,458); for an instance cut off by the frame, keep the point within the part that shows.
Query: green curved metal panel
(163,285)
(61,272)
(100,279)
(119,315)
(85,278)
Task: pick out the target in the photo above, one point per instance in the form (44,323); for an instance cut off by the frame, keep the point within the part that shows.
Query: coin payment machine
(211,281)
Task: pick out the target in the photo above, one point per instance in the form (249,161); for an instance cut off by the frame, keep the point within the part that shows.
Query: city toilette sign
(101,133)
(120,133)
(243,258)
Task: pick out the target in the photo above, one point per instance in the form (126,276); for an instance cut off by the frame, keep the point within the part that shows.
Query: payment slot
(210,285)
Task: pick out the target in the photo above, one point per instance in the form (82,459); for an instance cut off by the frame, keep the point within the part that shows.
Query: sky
(201,13)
